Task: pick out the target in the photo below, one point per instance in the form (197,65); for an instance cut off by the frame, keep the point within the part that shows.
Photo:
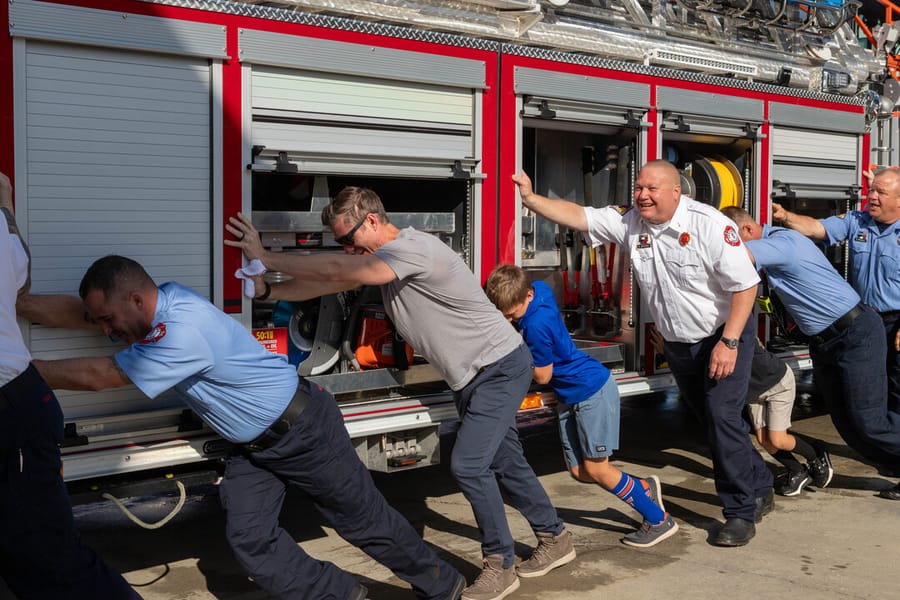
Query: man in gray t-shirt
(437,305)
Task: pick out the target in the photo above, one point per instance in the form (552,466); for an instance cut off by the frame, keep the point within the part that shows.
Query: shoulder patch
(842,216)
(622,209)
(156,334)
(731,236)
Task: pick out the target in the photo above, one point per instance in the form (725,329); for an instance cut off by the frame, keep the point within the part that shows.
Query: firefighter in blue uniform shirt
(286,430)
(873,237)
(41,555)
(700,288)
(844,335)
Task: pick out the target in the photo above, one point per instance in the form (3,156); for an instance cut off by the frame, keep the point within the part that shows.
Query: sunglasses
(347,238)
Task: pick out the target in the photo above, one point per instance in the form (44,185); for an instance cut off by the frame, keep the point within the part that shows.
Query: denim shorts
(590,428)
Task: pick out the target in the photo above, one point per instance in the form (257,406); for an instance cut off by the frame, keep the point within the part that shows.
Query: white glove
(253,268)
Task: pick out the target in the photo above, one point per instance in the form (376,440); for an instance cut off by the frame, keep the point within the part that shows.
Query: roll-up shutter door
(341,124)
(117,156)
(551,99)
(814,164)
(363,111)
(691,112)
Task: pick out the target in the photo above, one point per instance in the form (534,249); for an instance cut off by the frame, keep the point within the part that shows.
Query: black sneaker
(820,469)
(791,484)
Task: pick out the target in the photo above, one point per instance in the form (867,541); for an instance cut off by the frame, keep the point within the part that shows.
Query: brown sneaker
(552,551)
(494,583)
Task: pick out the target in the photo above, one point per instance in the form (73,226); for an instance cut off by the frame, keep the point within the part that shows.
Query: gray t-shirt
(439,308)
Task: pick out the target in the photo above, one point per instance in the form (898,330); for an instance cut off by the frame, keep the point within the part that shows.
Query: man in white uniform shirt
(700,286)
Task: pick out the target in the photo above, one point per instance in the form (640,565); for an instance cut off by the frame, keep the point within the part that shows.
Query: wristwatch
(732,343)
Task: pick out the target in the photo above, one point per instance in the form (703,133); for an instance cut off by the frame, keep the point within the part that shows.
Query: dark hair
(112,274)
(507,286)
(352,204)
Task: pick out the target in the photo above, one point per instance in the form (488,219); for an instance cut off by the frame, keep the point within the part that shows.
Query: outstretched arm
(295,290)
(808,226)
(563,212)
(342,271)
(55,310)
(92,374)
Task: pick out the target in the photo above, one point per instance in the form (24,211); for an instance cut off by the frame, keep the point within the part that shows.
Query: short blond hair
(507,286)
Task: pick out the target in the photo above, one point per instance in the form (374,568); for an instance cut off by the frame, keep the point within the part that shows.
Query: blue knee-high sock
(631,490)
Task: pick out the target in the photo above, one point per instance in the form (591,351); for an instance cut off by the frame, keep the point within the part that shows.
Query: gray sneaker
(654,490)
(494,583)
(650,535)
(552,551)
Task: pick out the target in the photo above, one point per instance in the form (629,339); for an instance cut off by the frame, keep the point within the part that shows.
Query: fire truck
(137,127)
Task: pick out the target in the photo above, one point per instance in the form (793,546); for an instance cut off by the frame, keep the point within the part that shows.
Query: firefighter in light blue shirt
(873,237)
(284,430)
(844,335)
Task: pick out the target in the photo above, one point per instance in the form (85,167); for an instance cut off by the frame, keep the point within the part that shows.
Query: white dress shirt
(687,268)
(14,356)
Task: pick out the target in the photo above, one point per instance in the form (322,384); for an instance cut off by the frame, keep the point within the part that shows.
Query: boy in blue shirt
(587,399)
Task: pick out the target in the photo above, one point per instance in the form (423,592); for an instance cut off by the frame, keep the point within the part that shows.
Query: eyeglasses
(347,238)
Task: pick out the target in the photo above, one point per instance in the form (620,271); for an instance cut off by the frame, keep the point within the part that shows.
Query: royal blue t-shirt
(576,376)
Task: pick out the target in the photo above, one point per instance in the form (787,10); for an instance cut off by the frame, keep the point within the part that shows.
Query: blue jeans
(316,455)
(740,473)
(487,448)
(41,554)
(850,375)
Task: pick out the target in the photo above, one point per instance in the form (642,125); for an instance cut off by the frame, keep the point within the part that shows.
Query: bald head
(657,191)
(884,197)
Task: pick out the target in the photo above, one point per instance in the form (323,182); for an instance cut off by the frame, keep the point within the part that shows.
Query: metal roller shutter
(117,161)
(555,98)
(346,124)
(338,108)
(814,164)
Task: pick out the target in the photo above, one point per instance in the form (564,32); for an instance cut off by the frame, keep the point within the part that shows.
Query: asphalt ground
(836,543)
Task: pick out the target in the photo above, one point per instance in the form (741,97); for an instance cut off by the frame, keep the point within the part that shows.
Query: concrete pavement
(838,543)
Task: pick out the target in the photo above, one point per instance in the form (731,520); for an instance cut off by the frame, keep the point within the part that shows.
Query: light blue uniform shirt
(806,283)
(219,369)
(874,257)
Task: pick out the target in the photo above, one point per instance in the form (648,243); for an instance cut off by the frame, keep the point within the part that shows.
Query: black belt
(836,328)
(282,424)
(889,314)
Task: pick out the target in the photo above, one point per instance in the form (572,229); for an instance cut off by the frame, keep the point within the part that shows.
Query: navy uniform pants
(891,322)
(851,377)
(740,473)
(487,448)
(317,456)
(41,555)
